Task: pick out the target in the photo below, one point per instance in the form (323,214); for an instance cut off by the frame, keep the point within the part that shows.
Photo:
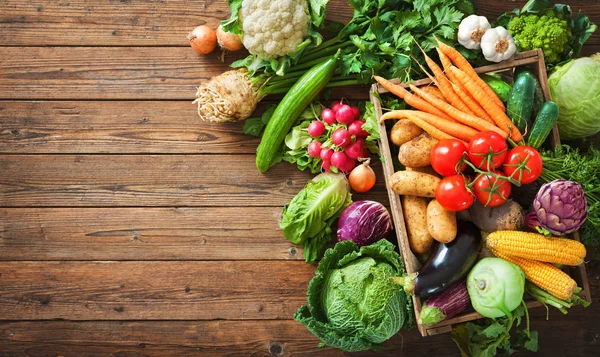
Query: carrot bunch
(459,104)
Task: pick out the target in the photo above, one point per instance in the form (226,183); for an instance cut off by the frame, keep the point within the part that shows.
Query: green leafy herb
(487,337)
(255,126)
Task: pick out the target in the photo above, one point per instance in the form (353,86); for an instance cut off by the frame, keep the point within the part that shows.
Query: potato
(413,183)
(416,152)
(425,169)
(415,218)
(404,131)
(441,224)
(508,216)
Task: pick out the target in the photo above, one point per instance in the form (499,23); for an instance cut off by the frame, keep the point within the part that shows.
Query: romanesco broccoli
(550,32)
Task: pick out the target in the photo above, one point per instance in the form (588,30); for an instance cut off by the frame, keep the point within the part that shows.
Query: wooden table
(130,228)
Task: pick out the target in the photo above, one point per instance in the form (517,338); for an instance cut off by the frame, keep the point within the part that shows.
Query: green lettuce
(352,303)
(308,218)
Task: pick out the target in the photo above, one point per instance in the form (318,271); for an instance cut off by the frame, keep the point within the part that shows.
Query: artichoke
(560,207)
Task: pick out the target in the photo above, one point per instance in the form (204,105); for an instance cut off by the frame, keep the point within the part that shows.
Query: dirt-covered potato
(413,183)
(404,131)
(508,216)
(441,223)
(415,217)
(416,152)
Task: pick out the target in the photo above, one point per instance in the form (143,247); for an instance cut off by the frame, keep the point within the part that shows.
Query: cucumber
(544,122)
(538,96)
(500,87)
(519,106)
(300,95)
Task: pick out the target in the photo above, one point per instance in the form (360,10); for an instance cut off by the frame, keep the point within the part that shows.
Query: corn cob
(536,246)
(548,277)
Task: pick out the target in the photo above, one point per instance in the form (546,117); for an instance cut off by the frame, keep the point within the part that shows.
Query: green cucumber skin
(500,87)
(289,109)
(519,106)
(544,122)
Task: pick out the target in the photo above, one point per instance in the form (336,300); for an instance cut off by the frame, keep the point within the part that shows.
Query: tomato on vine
(452,193)
(523,164)
(490,190)
(446,155)
(487,150)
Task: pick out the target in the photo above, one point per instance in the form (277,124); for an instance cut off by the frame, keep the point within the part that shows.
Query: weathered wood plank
(150,180)
(152,290)
(156,23)
(115,127)
(131,73)
(115,23)
(227,233)
(571,335)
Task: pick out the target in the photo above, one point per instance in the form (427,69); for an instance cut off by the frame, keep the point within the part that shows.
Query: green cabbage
(352,303)
(575,87)
(308,218)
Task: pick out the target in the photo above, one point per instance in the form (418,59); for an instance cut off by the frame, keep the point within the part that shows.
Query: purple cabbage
(364,223)
(560,207)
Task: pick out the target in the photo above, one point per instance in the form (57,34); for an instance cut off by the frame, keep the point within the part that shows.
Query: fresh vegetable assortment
(465,143)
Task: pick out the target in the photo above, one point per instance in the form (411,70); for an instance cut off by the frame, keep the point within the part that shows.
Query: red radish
(203,39)
(228,41)
(314,149)
(362,178)
(326,154)
(341,137)
(356,112)
(328,116)
(326,165)
(344,114)
(355,128)
(357,149)
(342,161)
(316,129)
(336,105)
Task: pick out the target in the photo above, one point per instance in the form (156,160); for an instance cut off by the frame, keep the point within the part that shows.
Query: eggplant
(446,304)
(447,263)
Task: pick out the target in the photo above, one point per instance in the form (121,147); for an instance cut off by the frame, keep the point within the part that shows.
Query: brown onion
(203,39)
(228,41)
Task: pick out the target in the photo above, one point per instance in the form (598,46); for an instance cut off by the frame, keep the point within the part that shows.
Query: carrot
(497,114)
(458,130)
(433,90)
(410,98)
(464,65)
(466,97)
(464,118)
(446,87)
(444,59)
(410,115)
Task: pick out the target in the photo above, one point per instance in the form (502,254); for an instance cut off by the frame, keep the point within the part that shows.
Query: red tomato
(491,191)
(453,194)
(445,156)
(487,150)
(523,164)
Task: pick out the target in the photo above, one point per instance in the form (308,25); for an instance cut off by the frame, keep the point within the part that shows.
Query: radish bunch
(339,137)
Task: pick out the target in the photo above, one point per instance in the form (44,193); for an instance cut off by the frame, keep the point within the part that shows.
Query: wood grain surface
(128,227)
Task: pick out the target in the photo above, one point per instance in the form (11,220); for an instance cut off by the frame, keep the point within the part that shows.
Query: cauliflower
(550,32)
(274,28)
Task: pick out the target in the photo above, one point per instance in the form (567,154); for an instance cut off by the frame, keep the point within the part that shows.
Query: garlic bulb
(497,44)
(471,30)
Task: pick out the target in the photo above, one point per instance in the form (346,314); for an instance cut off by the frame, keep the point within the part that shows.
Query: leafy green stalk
(547,299)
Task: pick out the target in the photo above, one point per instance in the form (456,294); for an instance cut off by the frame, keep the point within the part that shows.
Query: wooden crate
(531,59)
